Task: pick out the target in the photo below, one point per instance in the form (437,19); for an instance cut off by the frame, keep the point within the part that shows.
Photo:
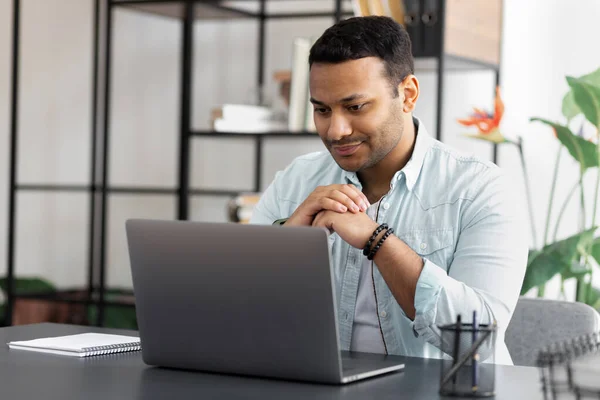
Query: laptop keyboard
(350,364)
(353,365)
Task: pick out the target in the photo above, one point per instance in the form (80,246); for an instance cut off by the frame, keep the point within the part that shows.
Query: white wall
(55,110)
(544,40)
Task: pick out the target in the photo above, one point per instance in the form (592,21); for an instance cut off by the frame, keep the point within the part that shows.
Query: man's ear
(409,89)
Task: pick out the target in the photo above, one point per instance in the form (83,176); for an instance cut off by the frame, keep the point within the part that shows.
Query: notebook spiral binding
(111,349)
(554,362)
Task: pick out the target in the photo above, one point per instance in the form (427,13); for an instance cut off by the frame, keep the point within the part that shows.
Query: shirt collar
(413,167)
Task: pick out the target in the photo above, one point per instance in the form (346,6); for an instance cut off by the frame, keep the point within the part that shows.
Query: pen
(456,349)
(467,355)
(475,354)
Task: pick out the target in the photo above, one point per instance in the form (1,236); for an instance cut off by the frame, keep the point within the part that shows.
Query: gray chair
(537,323)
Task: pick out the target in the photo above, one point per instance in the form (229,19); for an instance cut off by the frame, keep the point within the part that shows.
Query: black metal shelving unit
(98,188)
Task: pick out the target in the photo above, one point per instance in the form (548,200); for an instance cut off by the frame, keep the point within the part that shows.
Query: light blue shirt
(366,329)
(457,212)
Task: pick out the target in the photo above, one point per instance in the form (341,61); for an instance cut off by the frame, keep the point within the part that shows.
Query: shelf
(53,187)
(125,190)
(79,296)
(463,52)
(235,9)
(144,190)
(287,135)
(140,190)
(218,192)
(175,9)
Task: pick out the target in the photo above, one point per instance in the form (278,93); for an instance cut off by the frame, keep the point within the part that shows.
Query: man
(456,243)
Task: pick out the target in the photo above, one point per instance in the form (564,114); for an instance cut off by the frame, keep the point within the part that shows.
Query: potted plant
(30,310)
(577,256)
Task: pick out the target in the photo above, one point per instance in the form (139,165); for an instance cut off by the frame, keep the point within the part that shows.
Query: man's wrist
(376,239)
(371,234)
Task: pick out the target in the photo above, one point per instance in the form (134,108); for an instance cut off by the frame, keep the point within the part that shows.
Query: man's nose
(339,127)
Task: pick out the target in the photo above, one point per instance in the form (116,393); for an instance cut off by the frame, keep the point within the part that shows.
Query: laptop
(241,299)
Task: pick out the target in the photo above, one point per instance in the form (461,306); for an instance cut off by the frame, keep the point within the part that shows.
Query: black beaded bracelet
(378,246)
(367,248)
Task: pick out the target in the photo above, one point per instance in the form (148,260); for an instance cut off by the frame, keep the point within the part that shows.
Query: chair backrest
(537,323)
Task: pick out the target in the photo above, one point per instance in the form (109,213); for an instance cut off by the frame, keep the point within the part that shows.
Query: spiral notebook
(572,366)
(80,345)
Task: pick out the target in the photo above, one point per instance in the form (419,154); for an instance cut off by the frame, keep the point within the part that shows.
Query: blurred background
(247,120)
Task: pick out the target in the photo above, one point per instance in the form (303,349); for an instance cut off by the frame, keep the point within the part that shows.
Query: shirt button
(386,206)
(346,316)
(383,314)
(423,246)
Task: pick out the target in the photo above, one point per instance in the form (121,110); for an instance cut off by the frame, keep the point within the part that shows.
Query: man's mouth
(346,150)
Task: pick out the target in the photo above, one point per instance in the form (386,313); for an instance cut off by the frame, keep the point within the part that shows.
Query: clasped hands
(338,208)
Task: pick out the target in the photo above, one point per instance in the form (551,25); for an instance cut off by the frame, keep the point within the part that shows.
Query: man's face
(355,112)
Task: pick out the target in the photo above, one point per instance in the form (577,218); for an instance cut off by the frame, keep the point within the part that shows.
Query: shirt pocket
(435,245)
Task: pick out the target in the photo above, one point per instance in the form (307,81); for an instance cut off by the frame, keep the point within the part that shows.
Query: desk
(30,375)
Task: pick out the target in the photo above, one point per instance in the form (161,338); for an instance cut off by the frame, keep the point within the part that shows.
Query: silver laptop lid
(244,299)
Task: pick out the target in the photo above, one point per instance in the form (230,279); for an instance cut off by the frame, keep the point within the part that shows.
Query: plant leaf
(115,317)
(592,295)
(553,259)
(576,270)
(28,285)
(596,250)
(587,97)
(581,150)
(594,299)
(570,109)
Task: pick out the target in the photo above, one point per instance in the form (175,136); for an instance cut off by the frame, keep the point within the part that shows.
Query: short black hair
(372,36)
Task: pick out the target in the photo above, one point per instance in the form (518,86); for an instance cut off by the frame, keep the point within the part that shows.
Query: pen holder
(468,360)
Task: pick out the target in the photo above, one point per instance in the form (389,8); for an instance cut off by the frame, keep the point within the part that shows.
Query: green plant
(118,317)
(25,286)
(572,257)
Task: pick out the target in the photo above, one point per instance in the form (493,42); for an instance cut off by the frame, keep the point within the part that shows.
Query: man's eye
(356,107)
(321,110)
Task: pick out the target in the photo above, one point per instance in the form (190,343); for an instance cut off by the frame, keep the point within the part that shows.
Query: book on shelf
(223,125)
(246,118)
(360,8)
(300,109)
(242,111)
(472,28)
(395,9)
(299,84)
(309,118)
(390,8)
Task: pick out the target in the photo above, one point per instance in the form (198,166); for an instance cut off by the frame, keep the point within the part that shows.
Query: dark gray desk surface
(30,375)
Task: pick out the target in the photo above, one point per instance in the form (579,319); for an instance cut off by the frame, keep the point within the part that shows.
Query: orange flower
(485,122)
